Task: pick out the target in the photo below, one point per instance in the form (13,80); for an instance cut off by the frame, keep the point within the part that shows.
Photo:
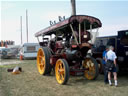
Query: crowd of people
(5,43)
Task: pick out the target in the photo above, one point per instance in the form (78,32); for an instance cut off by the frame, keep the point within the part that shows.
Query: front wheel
(62,71)
(91,68)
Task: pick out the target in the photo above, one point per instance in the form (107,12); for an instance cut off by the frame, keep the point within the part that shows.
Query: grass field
(31,83)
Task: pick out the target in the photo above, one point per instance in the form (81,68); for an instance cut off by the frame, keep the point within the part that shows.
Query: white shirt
(110,55)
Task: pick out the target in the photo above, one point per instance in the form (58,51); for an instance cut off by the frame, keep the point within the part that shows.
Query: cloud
(6,5)
(112,29)
(10,30)
(113,25)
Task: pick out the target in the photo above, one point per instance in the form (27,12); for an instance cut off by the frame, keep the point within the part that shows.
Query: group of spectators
(110,65)
(5,43)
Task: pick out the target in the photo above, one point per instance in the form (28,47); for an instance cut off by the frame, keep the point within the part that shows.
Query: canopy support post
(90,28)
(43,38)
(84,27)
(91,31)
(79,33)
(74,34)
(38,39)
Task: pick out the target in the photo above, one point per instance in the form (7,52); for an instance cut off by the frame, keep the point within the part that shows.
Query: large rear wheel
(91,68)
(62,71)
(43,61)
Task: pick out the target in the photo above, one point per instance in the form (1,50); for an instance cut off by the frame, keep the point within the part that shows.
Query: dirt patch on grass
(31,83)
(10,61)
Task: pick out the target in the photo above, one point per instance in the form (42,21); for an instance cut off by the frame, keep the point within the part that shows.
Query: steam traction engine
(65,48)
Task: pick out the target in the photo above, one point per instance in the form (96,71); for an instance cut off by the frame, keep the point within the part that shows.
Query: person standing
(111,59)
(104,65)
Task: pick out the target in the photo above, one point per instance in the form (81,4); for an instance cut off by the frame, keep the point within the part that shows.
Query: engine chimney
(73,4)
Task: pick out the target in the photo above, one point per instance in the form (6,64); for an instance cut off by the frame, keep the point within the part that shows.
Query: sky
(112,13)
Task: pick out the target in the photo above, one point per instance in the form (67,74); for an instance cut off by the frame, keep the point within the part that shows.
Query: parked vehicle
(67,52)
(29,50)
(6,53)
(14,49)
(120,43)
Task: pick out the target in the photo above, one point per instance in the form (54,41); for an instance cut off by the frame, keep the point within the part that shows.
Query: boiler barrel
(73,55)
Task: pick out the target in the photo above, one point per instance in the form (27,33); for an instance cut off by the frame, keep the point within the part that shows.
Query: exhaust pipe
(73,4)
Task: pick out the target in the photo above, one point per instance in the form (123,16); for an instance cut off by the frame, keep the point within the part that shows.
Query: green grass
(31,83)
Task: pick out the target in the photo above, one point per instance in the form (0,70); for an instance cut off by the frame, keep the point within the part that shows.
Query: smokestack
(73,4)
